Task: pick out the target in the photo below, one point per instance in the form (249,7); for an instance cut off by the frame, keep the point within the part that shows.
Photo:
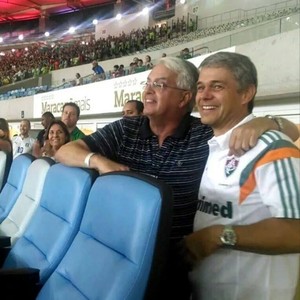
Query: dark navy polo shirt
(179,161)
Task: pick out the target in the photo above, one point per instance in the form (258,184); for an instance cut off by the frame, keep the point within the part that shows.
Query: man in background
(47,118)
(133,108)
(70,116)
(99,73)
(23,143)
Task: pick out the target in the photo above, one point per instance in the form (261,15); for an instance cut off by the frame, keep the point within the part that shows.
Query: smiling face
(56,136)
(220,103)
(163,102)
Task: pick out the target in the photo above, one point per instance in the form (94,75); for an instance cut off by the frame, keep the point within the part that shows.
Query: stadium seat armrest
(16,282)
(29,275)
(5,241)
(3,254)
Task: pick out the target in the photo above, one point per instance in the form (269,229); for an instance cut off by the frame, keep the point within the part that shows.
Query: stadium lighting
(1,40)
(21,37)
(95,21)
(182,1)
(47,33)
(118,16)
(145,11)
(72,29)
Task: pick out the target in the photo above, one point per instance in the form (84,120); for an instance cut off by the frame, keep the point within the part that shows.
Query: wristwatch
(228,236)
(277,120)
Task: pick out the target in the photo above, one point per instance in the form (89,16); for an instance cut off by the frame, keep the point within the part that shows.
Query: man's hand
(105,165)
(244,137)
(201,244)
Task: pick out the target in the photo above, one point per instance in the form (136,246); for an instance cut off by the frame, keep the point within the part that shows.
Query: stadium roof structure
(20,10)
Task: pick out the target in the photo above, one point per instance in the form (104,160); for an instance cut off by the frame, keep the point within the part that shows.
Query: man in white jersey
(23,142)
(246,239)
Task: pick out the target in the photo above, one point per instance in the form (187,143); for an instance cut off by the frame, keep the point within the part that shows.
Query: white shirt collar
(223,140)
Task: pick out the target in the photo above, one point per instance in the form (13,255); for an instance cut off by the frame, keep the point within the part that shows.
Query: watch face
(228,236)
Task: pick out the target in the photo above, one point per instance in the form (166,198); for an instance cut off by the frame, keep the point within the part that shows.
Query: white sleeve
(279,185)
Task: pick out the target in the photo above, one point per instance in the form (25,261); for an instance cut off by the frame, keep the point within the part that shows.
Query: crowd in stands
(39,59)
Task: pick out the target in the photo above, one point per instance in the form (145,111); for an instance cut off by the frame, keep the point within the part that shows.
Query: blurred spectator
(135,60)
(140,66)
(132,68)
(70,116)
(164,55)
(23,142)
(79,79)
(47,118)
(121,70)
(99,73)
(185,53)
(115,72)
(148,64)
(133,108)
(56,135)
(5,142)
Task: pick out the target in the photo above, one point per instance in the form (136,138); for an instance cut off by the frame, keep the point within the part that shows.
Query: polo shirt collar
(180,132)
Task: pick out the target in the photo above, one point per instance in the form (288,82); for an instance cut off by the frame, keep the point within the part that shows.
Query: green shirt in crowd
(76,134)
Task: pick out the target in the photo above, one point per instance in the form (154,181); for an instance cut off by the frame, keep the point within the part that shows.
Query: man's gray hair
(187,75)
(241,67)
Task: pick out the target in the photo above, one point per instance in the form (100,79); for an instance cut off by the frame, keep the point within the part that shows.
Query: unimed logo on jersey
(215,209)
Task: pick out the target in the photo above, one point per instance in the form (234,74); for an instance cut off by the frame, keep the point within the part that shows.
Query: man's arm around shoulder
(73,153)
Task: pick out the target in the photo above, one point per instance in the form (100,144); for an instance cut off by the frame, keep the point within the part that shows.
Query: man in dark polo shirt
(70,115)
(167,143)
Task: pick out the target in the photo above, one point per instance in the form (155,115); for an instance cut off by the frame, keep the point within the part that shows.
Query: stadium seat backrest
(19,216)
(111,257)
(5,163)
(55,222)
(14,183)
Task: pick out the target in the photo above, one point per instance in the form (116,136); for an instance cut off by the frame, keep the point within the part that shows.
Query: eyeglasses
(159,86)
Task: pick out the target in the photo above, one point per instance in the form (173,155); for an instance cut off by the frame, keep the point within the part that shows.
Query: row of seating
(77,235)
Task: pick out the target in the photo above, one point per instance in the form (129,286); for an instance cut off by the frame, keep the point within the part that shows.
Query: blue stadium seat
(53,226)
(124,230)
(18,218)
(14,183)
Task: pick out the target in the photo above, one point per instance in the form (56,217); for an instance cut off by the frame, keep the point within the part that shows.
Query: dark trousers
(175,283)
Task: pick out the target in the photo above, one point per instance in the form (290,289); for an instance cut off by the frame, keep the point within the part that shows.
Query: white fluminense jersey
(261,184)
(22,145)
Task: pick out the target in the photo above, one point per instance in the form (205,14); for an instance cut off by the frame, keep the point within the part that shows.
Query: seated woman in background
(5,142)
(56,135)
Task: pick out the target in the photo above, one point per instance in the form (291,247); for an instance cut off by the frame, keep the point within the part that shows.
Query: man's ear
(249,94)
(186,99)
